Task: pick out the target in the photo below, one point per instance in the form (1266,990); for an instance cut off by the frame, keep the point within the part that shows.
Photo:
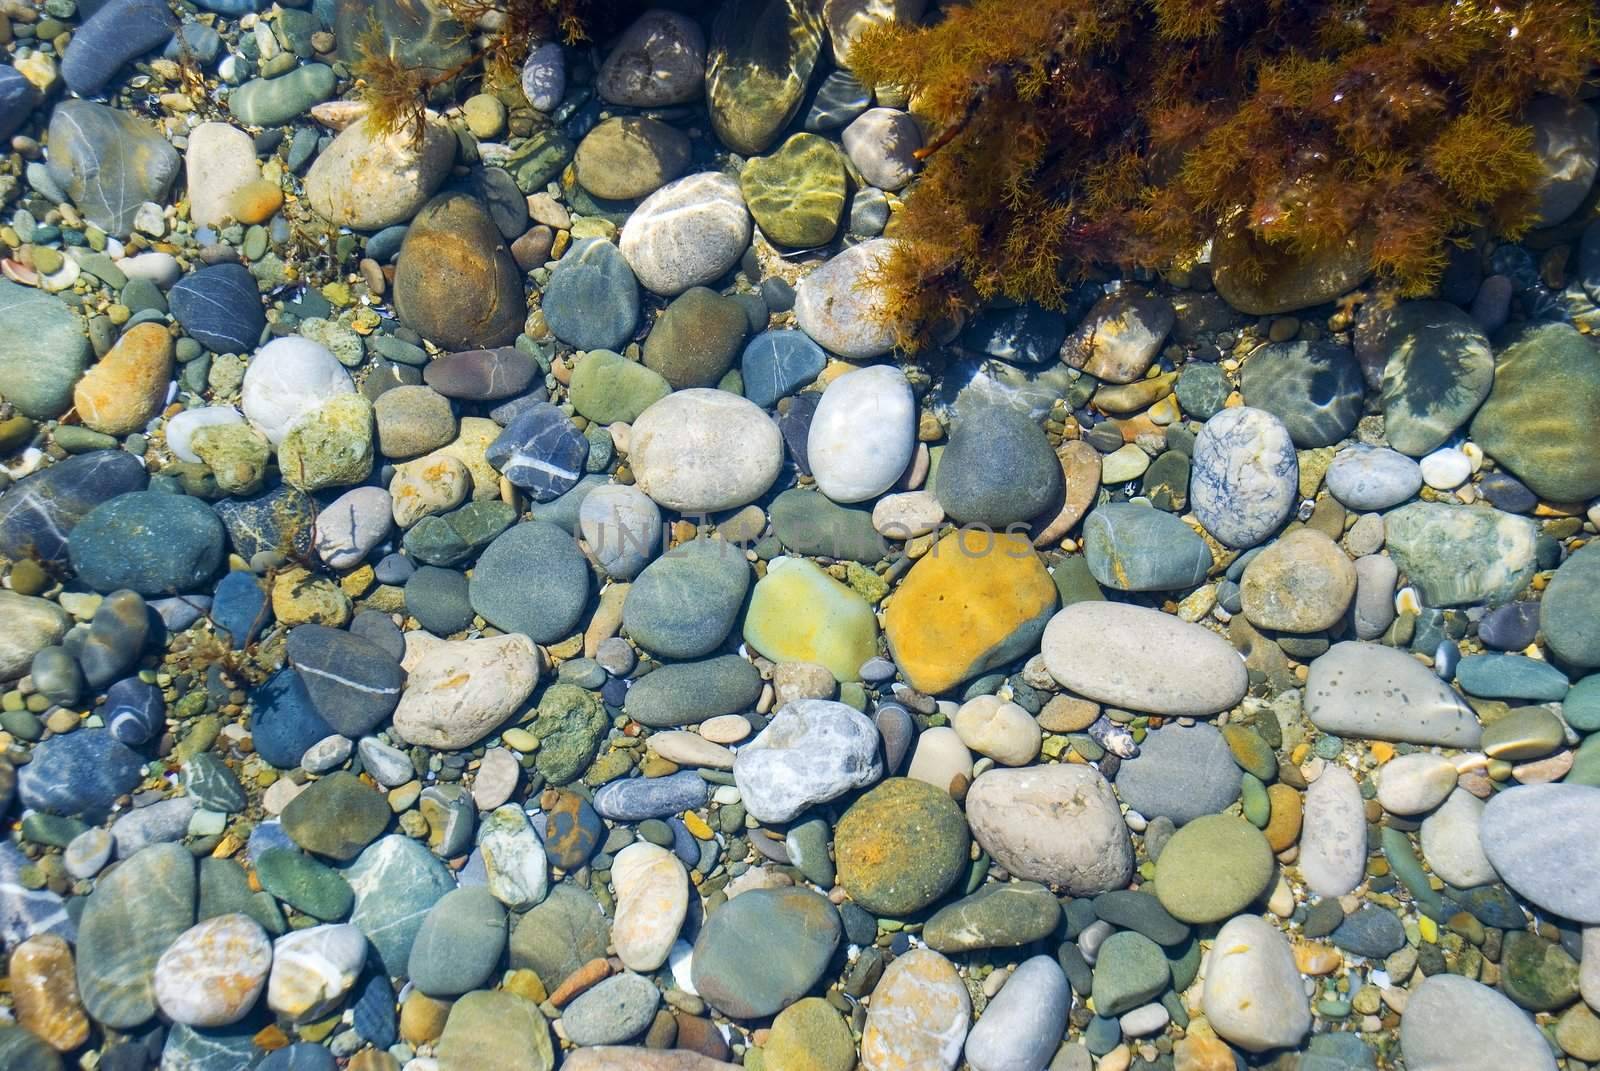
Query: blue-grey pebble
(777,363)
(635,799)
(148,542)
(134,711)
(592,299)
(284,721)
(532,579)
(79,773)
(541,452)
(220,307)
(119,31)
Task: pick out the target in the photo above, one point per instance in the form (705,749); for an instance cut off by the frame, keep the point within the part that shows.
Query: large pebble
(460,691)
(701,450)
(1369,478)
(652,900)
(1244,476)
(687,233)
(313,969)
(369,180)
(1537,837)
(1460,555)
(1333,839)
(1415,783)
(213,973)
(1452,843)
(219,162)
(1452,1023)
(660,59)
(1142,659)
(840,311)
(1022,1025)
(1365,690)
(288,379)
(919,1015)
(1253,996)
(1058,824)
(862,434)
(813,751)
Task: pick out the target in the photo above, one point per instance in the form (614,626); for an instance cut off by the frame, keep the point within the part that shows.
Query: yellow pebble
(696,826)
(1428,928)
(1382,752)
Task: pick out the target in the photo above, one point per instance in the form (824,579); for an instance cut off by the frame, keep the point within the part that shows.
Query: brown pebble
(422,1018)
(580,980)
(44,988)
(701,1036)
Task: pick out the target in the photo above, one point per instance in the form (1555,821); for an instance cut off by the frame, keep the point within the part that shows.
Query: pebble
(133,915)
(636,799)
(702,450)
(455,282)
(1138,548)
(1451,842)
(540,451)
(1532,838)
(1181,773)
(684,604)
(353,683)
(900,847)
(592,299)
(1315,388)
(652,891)
(1058,824)
(1566,612)
(1333,841)
(1003,731)
(461,690)
(881,143)
(1439,368)
(1544,381)
(1213,868)
(395,881)
(109,162)
(1351,691)
(622,527)
(798,613)
(658,60)
(532,580)
(617,1010)
(1022,1030)
(863,434)
(1455,1023)
(997,470)
(918,1017)
(841,315)
(813,751)
(1142,659)
(459,943)
(368,181)
(687,233)
(763,950)
(974,602)
(313,969)
(220,308)
(1253,996)
(288,379)
(1244,475)
(1491,555)
(214,972)
(1416,783)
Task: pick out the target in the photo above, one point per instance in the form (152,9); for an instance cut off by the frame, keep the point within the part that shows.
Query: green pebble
(1253,796)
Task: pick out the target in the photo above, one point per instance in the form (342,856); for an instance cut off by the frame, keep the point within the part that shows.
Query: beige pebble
(690,749)
(725,728)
